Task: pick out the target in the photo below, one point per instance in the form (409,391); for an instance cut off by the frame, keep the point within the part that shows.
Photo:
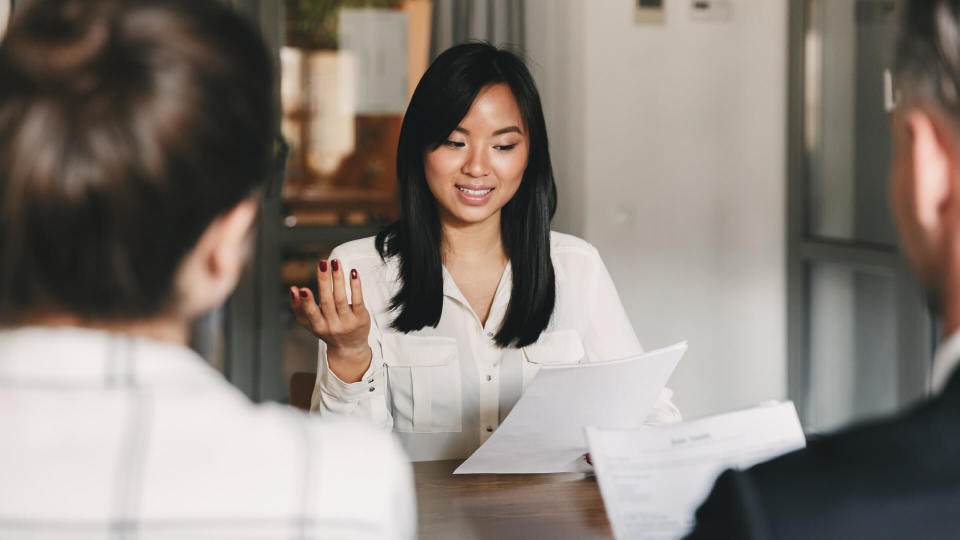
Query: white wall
(680,178)
(555,35)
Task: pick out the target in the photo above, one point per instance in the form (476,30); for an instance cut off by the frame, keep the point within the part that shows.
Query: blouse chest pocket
(424,377)
(553,348)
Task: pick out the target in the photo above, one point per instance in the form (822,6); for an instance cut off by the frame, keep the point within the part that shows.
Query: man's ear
(933,161)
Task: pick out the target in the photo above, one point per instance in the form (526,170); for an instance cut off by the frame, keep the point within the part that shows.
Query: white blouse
(444,390)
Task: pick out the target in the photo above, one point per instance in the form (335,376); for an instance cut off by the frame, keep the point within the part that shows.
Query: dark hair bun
(65,46)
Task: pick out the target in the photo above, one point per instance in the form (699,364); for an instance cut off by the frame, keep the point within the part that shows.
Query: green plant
(314,22)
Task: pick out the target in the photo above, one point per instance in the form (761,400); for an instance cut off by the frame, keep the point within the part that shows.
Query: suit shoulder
(732,510)
(867,467)
(877,448)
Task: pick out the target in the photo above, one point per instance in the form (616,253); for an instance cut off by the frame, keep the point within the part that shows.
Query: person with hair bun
(469,292)
(134,139)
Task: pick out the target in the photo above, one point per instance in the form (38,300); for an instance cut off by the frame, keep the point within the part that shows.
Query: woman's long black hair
(441,100)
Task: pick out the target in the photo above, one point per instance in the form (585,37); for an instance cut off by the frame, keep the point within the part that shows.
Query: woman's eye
(454,144)
(506,147)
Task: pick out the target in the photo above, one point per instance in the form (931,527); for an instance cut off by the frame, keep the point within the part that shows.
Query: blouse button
(372,389)
(489,334)
(489,378)
(489,429)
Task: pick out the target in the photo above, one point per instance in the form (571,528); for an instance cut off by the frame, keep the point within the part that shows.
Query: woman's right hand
(343,326)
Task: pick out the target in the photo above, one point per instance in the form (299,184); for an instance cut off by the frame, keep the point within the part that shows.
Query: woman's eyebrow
(501,131)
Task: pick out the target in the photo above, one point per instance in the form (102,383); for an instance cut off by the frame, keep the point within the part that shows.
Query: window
(860,339)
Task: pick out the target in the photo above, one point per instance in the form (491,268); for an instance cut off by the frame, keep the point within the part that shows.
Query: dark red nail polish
(336,265)
(323,266)
(353,274)
(303,294)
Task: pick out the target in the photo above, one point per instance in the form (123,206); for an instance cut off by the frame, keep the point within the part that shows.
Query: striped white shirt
(108,436)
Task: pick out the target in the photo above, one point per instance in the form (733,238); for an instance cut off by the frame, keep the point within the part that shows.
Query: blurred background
(728,158)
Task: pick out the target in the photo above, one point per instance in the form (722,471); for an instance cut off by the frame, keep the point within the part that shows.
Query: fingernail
(353,274)
(336,265)
(293,295)
(323,266)
(303,294)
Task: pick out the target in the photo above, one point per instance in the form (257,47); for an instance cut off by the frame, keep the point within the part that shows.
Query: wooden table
(501,506)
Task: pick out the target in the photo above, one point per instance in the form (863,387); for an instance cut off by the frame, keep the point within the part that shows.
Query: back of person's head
(127,130)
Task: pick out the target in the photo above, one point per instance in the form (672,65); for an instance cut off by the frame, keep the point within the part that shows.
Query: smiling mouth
(475,192)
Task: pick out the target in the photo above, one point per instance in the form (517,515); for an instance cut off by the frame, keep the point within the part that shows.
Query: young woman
(469,292)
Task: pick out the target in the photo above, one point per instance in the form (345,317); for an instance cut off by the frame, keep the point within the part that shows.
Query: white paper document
(544,432)
(653,480)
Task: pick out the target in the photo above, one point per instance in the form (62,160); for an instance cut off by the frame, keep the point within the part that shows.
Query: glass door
(860,339)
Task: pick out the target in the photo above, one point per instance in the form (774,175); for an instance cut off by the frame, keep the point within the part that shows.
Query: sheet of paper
(544,433)
(652,480)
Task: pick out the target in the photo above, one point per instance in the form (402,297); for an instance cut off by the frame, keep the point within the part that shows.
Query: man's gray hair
(928,54)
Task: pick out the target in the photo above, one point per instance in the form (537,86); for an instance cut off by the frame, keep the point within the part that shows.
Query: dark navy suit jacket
(893,478)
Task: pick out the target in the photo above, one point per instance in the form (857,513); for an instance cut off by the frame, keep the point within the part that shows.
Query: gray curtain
(501,22)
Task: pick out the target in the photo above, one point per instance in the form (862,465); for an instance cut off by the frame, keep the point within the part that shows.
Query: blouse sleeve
(610,335)
(365,399)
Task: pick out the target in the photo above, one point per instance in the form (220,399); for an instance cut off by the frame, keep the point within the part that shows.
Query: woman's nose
(476,165)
